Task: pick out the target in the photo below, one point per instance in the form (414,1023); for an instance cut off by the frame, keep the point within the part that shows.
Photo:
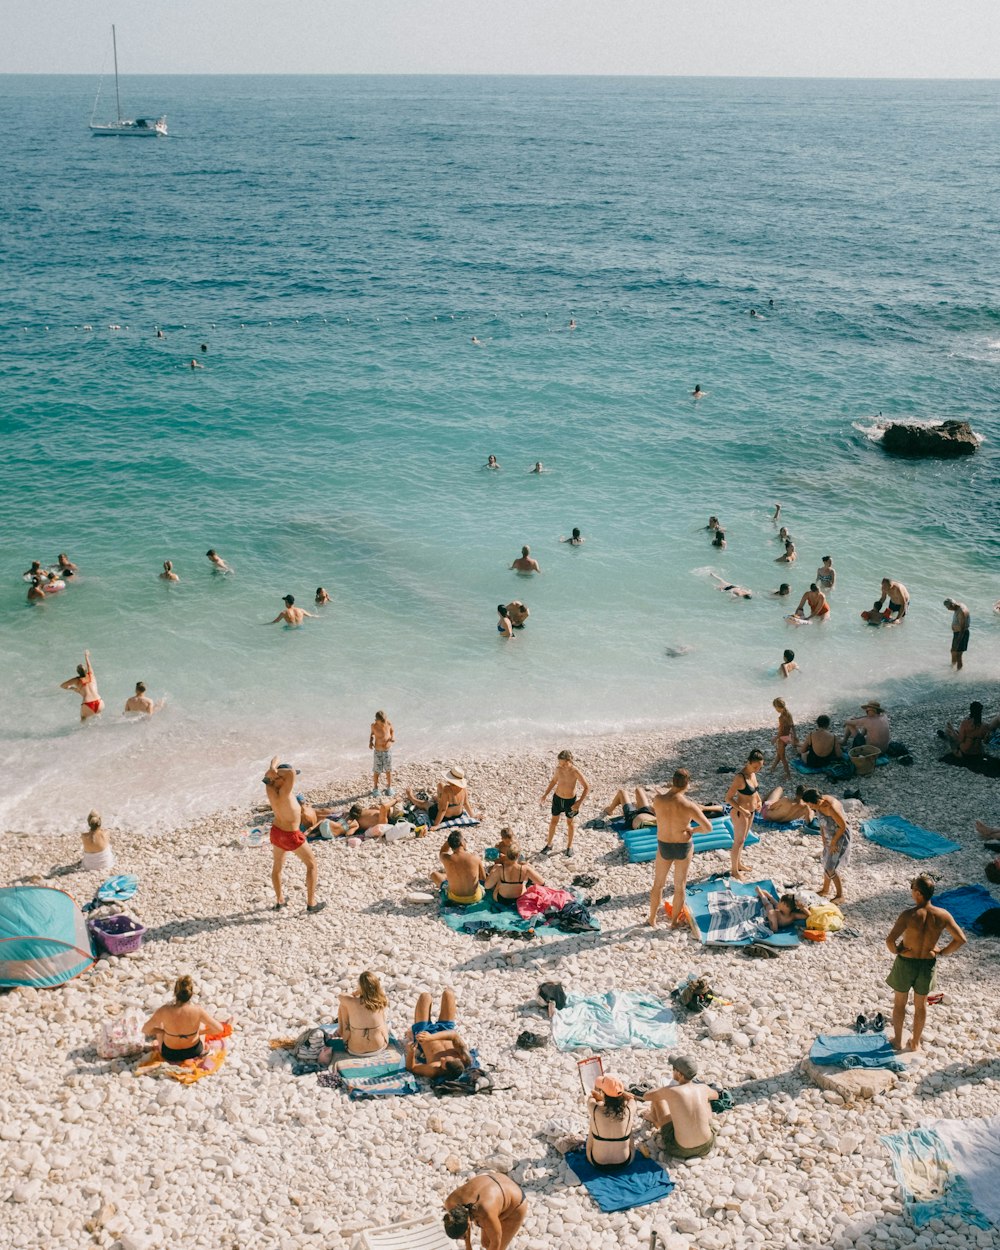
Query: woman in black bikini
(744,796)
(491,1201)
(179,1026)
(508,879)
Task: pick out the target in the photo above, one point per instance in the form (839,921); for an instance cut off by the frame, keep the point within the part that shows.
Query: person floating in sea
(565,802)
(961,620)
(538,467)
(895,596)
(290,614)
(321,597)
(782,592)
(816,602)
(380,740)
(287,836)
(168,574)
(572,323)
(738,592)
(195,364)
(526,562)
(35,592)
(36,571)
(575,539)
(836,840)
(788,664)
(140,701)
(66,566)
(675,816)
(85,685)
(826,574)
(698,393)
(492,463)
(913,940)
(218,564)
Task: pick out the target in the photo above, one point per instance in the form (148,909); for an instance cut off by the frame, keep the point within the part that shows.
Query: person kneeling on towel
(463,871)
(682,1112)
(612,1114)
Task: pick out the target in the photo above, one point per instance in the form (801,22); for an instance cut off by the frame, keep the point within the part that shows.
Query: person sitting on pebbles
(682,1112)
(97,853)
(462,870)
(435,1048)
(361,1018)
(509,878)
(494,1203)
(180,1027)
(452,798)
(612,1116)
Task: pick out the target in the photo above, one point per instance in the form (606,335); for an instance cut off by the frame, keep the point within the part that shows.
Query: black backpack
(472,1081)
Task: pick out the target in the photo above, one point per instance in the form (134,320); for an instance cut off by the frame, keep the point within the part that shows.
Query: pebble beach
(254,1157)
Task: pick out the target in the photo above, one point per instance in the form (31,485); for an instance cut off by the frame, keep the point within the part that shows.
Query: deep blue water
(337,243)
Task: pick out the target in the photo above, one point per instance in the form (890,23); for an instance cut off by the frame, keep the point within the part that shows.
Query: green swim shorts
(684,1152)
(912,974)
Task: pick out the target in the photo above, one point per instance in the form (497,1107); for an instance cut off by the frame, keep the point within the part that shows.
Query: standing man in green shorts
(913,939)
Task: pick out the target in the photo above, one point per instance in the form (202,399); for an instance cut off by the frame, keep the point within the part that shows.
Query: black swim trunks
(674,850)
(564,807)
(960,640)
(630,812)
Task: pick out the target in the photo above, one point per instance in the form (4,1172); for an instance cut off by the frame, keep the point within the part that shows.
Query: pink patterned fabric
(541,898)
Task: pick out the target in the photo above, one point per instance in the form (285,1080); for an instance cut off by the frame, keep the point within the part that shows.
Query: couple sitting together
(465,876)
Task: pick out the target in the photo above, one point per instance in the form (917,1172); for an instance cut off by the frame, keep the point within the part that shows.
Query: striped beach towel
(735,918)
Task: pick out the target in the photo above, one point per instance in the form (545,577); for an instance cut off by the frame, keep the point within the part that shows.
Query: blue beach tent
(43,937)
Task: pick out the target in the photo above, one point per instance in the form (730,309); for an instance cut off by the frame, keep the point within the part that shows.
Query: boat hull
(129,130)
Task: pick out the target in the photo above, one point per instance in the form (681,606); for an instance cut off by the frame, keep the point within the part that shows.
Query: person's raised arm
(90,667)
(958,938)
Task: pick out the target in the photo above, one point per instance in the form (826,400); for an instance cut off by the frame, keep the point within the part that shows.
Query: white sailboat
(135,127)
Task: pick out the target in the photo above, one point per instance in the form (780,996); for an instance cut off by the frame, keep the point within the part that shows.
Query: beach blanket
(854,1050)
(897,834)
(801,766)
(966,903)
(502,916)
(763,823)
(640,844)
(190,1070)
(735,918)
(634,1184)
(697,903)
(937,1166)
(614,1021)
(981,764)
(388,1085)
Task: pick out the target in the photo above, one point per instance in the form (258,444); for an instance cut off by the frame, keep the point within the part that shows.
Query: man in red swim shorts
(286,836)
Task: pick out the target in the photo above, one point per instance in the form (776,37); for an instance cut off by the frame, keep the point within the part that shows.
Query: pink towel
(541,898)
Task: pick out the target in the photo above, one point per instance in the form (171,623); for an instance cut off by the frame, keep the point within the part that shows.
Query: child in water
(788,664)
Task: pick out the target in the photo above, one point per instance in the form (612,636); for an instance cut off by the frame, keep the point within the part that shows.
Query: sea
(387,280)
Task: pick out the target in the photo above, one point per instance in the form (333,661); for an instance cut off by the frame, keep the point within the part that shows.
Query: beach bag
(863,759)
(472,1081)
(573,918)
(696,995)
(844,772)
(895,749)
(311,1052)
(121,1036)
(552,992)
(824,918)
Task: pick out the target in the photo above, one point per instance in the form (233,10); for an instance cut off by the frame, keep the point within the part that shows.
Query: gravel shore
(253,1157)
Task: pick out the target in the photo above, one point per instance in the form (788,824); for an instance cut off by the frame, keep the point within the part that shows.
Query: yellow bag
(827,917)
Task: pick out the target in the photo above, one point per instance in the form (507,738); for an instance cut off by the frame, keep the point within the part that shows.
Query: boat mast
(118,99)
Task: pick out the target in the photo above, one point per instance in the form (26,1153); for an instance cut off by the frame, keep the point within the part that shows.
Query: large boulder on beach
(950,438)
(849,1083)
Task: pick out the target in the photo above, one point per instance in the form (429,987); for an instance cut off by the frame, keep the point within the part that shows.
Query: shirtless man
(286,834)
(682,1112)
(218,564)
(897,596)
(565,802)
(873,727)
(816,602)
(381,736)
(675,814)
(140,701)
(358,820)
(290,614)
(434,1047)
(526,562)
(638,815)
(66,566)
(168,574)
(836,839)
(85,685)
(960,622)
(518,613)
(492,1201)
(913,940)
(463,871)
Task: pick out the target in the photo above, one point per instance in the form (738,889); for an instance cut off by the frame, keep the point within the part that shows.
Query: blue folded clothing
(854,1050)
(897,834)
(634,1184)
(966,903)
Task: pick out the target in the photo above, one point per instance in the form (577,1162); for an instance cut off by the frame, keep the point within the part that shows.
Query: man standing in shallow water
(961,619)
(290,614)
(286,836)
(913,940)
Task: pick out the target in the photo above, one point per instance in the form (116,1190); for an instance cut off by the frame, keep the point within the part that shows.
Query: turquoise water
(337,243)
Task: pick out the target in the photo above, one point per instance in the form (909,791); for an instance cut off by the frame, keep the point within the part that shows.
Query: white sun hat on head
(454,776)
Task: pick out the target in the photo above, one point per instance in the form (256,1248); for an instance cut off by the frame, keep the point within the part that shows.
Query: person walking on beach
(896,596)
(168,574)
(744,797)
(286,834)
(291,615)
(85,685)
(913,939)
(960,622)
(784,737)
(562,787)
(526,562)
(494,1203)
(675,813)
(380,741)
(836,840)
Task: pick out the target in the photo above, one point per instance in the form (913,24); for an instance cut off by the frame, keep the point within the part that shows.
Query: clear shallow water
(337,243)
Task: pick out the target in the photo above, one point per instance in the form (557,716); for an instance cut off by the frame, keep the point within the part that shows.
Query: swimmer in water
(85,685)
(218,564)
(196,365)
(576,538)
(168,574)
(787,664)
(35,592)
(476,342)
(526,562)
(321,597)
(720,539)
(160,334)
(777,513)
(140,701)
(538,467)
(826,574)
(572,323)
(698,393)
(713,523)
(738,592)
(783,590)
(492,463)
(66,566)
(789,556)
(290,614)
(816,602)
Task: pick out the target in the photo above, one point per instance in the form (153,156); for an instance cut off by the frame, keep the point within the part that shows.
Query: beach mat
(696,902)
(935,1184)
(854,1050)
(634,1184)
(501,916)
(801,767)
(614,1020)
(966,903)
(897,834)
(640,844)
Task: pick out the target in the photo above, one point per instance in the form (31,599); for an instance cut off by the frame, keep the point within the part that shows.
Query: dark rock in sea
(950,438)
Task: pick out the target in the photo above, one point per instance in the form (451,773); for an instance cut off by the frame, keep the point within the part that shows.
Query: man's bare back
(923,926)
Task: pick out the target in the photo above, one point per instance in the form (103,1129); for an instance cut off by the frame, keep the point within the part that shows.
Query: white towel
(98,861)
(974,1146)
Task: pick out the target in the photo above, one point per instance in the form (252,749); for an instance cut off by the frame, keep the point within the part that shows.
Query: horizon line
(502,74)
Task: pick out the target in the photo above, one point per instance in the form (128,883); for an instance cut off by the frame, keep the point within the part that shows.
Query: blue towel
(634,1184)
(897,834)
(966,903)
(697,904)
(854,1050)
(614,1020)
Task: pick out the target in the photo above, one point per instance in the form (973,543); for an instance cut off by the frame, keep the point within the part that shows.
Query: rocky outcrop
(950,438)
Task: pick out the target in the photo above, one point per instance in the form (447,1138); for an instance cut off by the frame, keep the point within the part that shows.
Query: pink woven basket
(117,935)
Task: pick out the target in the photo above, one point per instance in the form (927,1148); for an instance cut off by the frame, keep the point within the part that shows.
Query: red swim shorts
(285,840)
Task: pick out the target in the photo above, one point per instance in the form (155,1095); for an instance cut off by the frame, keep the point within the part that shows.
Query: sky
(755,38)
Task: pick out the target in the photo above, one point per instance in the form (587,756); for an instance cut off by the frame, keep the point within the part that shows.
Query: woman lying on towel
(781,913)
(508,879)
(179,1027)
